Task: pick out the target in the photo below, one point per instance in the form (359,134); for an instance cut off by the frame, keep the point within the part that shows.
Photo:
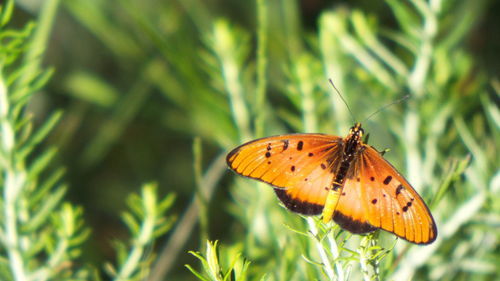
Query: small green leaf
(45,210)
(41,163)
(43,131)
(131,223)
(196,273)
(88,87)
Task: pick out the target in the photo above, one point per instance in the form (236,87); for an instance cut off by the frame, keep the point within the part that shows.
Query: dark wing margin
(296,205)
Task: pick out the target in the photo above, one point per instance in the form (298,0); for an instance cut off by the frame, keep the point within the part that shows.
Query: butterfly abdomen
(341,173)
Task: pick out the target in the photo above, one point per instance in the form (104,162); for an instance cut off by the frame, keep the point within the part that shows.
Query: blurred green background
(137,84)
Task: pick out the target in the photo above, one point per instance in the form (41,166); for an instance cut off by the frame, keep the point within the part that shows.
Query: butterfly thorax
(353,140)
(352,144)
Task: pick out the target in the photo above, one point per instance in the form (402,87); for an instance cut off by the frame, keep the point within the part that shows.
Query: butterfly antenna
(345,102)
(387,105)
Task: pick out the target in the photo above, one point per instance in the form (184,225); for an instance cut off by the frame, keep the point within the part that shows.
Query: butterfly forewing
(301,164)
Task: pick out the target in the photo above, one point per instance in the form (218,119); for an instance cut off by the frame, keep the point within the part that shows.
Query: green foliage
(141,80)
(146,222)
(237,267)
(42,235)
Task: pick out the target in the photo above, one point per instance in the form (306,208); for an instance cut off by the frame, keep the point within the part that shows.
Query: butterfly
(342,179)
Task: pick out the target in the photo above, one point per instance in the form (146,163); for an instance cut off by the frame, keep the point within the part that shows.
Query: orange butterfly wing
(375,194)
(303,167)
(299,166)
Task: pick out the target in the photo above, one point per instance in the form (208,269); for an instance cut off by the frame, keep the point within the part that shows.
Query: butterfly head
(356,132)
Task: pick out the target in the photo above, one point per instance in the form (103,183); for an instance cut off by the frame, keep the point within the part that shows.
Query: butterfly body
(343,179)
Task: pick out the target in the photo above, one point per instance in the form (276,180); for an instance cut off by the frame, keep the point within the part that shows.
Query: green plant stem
(416,84)
(13,183)
(308,103)
(261,66)
(223,45)
(366,261)
(144,238)
(420,71)
(200,190)
(327,266)
(15,180)
(333,69)
(61,250)
(364,267)
(334,250)
(411,140)
(431,143)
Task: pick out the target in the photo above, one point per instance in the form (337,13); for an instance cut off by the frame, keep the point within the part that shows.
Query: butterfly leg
(331,202)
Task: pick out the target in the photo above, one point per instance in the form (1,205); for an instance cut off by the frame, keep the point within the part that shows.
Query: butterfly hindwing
(299,166)
(386,199)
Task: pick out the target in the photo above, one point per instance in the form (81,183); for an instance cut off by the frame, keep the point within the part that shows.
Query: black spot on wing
(300,145)
(398,189)
(372,178)
(374,201)
(268,154)
(323,166)
(310,154)
(292,168)
(387,180)
(285,144)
